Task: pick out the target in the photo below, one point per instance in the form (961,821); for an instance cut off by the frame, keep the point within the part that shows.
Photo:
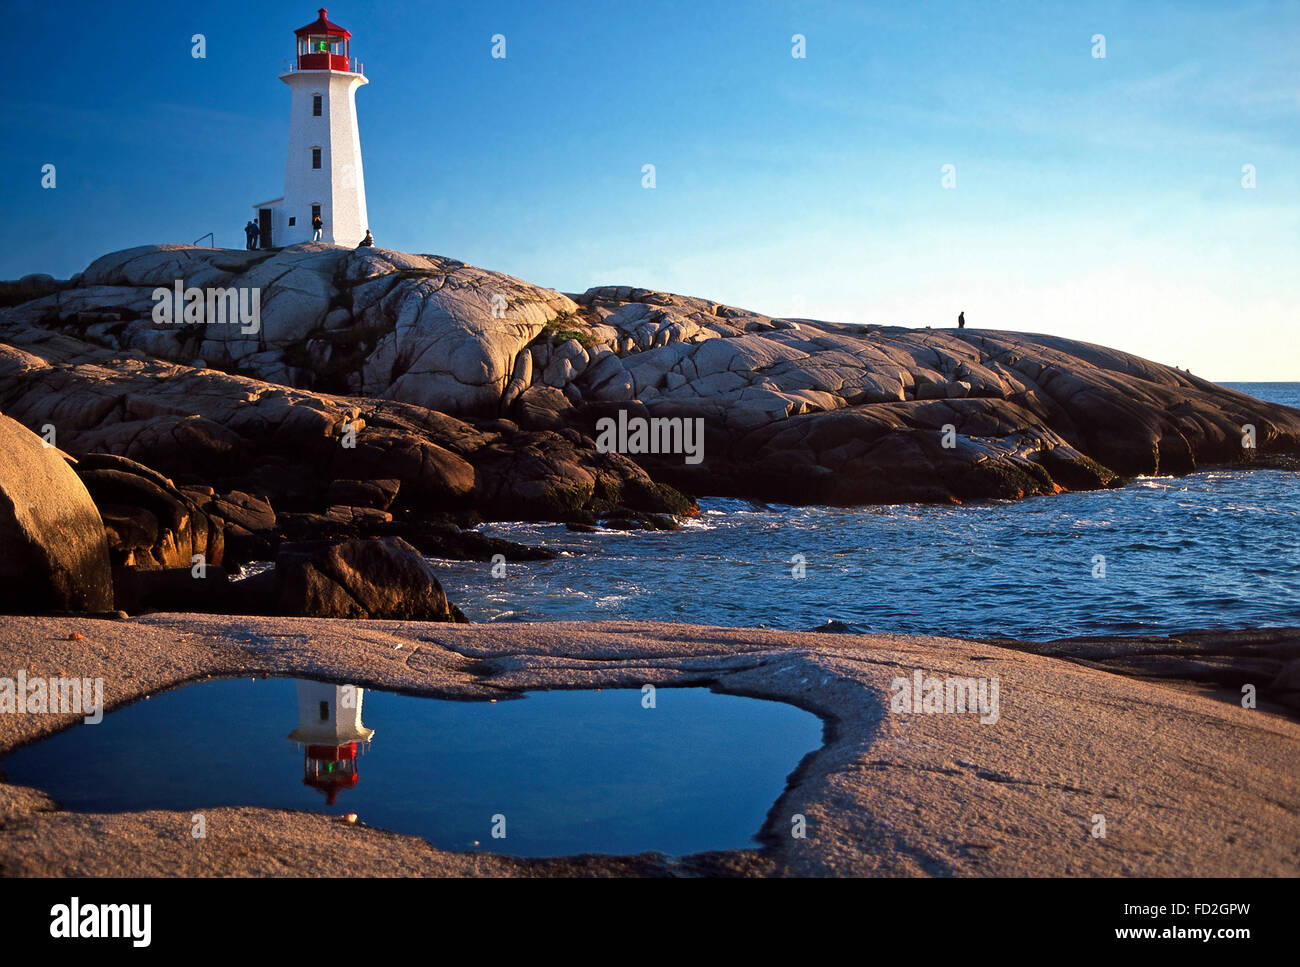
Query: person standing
(961,319)
(317,225)
(255,232)
(248,234)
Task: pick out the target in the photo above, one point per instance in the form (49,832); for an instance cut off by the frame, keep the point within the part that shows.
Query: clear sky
(1095,198)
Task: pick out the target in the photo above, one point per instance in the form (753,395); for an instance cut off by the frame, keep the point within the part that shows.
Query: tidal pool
(558,772)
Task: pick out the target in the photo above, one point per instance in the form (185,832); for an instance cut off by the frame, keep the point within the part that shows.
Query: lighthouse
(329,725)
(323,176)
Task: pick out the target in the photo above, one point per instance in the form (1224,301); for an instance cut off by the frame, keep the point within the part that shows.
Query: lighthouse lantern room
(323,46)
(323,175)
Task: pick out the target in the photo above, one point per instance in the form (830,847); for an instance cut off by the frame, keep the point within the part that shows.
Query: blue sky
(1100,199)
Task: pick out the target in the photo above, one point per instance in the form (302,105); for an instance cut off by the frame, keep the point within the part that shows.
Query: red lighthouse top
(323,46)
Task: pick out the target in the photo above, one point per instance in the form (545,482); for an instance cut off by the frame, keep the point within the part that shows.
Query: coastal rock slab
(887,794)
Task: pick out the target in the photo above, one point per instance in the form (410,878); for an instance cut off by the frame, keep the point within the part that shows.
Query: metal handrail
(291,67)
(209,235)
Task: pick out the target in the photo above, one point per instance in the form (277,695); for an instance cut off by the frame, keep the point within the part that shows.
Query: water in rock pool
(558,772)
(1217,549)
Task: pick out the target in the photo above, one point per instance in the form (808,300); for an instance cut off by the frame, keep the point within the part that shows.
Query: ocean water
(1216,549)
(567,771)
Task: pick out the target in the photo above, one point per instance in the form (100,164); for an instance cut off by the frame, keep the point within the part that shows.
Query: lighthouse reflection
(331,735)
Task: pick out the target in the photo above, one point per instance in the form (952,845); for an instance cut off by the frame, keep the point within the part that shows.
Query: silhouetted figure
(961,319)
(256,230)
(248,234)
(368,241)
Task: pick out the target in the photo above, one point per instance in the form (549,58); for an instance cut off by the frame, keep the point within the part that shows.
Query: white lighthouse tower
(323,175)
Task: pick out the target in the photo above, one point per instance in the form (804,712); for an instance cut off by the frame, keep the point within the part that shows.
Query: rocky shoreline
(404,398)
(387,403)
(503,383)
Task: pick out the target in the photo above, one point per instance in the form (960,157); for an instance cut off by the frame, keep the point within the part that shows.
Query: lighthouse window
(324,711)
(315,105)
(315,157)
(315,211)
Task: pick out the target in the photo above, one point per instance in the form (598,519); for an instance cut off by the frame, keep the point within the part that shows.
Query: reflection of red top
(332,753)
(330,785)
(322,26)
(331,782)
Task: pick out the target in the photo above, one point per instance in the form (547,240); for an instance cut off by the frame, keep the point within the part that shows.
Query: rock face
(418,347)
(150,524)
(53,551)
(241,447)
(1267,658)
(811,412)
(417,328)
(385,578)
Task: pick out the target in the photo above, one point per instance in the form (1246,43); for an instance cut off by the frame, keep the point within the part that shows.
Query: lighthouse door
(264,224)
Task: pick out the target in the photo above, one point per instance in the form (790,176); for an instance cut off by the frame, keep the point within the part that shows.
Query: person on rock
(961,319)
(248,234)
(255,232)
(368,241)
(316,225)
